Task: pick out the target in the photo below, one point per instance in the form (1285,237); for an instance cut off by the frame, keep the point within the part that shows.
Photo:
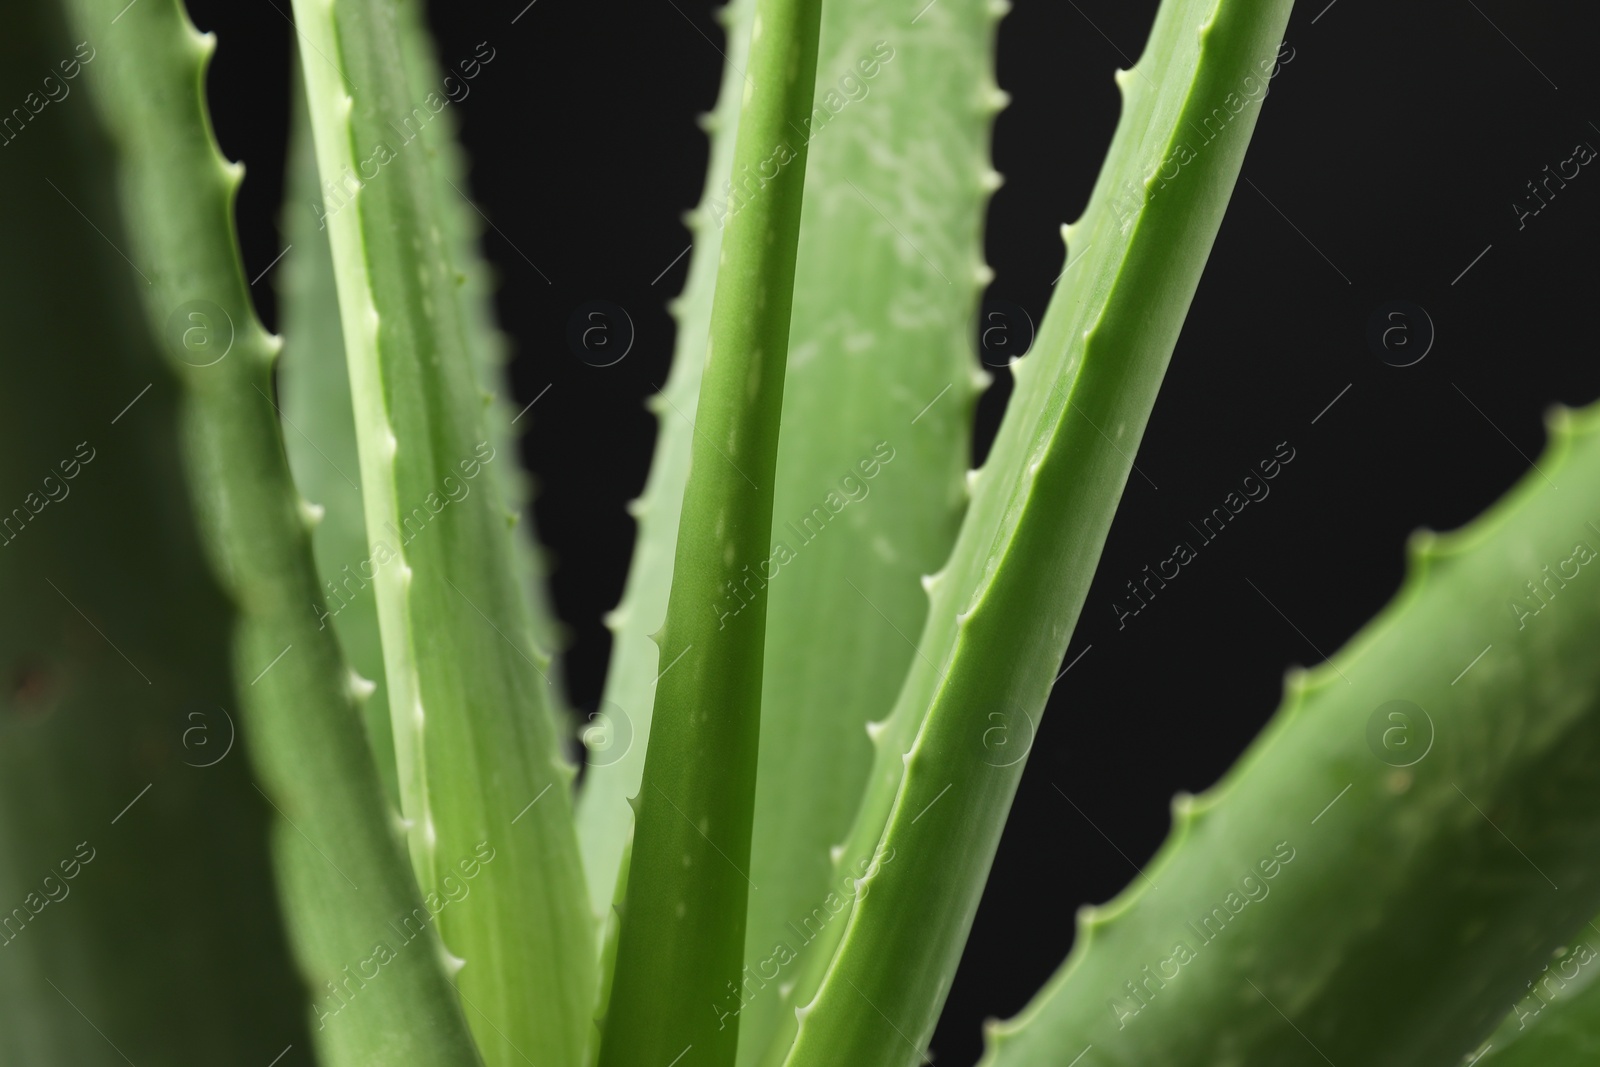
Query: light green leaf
(1387,854)
(483,785)
(877,416)
(1003,609)
(342,875)
(682,933)
(620,732)
(314,385)
(463,225)
(319,433)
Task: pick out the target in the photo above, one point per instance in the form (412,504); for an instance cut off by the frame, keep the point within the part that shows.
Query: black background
(1393,147)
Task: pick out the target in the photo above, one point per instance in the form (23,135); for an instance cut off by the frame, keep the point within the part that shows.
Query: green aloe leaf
(483,784)
(853,590)
(136,863)
(463,224)
(314,385)
(877,414)
(1003,609)
(342,874)
(682,930)
(1395,859)
(608,956)
(620,732)
(1555,1018)
(319,434)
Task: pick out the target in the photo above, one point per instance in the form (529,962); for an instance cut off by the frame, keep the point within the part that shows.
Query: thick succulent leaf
(462,224)
(1002,610)
(608,955)
(319,433)
(1399,854)
(620,731)
(877,412)
(867,366)
(1555,1020)
(116,920)
(482,781)
(682,932)
(342,871)
(314,389)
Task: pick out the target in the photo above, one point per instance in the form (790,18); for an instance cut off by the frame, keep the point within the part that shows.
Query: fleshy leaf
(1002,610)
(482,781)
(136,866)
(1376,880)
(341,870)
(620,731)
(877,414)
(319,433)
(682,933)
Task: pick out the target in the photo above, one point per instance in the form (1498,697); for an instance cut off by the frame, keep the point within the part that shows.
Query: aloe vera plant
(828,622)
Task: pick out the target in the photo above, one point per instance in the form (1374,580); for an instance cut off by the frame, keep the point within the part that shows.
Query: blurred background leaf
(166,948)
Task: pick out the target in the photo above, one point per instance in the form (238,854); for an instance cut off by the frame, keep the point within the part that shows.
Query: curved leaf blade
(1392,843)
(483,785)
(605,819)
(877,412)
(682,931)
(300,705)
(320,434)
(1003,609)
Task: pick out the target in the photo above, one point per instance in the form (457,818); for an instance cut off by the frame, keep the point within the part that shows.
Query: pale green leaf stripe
(343,876)
(682,932)
(315,386)
(1004,607)
(877,414)
(1398,855)
(483,786)
(620,733)
(319,433)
